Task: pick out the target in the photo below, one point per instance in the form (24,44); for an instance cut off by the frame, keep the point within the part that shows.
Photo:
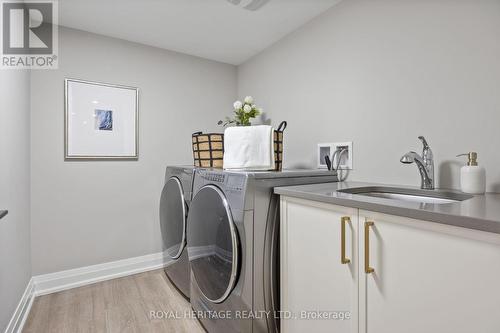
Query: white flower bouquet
(243,113)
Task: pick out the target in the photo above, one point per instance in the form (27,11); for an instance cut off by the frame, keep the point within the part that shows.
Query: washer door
(212,244)
(173,218)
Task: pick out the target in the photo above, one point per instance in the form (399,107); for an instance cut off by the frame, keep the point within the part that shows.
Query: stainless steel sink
(408,194)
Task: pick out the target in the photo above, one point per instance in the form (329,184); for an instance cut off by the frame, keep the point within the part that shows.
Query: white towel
(249,148)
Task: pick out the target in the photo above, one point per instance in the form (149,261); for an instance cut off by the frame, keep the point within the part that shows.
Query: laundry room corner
(112,207)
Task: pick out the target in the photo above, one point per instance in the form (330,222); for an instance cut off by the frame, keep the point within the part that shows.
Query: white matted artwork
(101,120)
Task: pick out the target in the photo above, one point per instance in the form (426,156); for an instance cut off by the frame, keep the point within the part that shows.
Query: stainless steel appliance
(174,206)
(233,247)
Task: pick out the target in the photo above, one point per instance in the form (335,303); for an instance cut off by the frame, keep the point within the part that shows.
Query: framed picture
(101,120)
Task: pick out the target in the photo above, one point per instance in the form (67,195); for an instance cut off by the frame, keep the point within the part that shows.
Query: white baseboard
(22,310)
(73,278)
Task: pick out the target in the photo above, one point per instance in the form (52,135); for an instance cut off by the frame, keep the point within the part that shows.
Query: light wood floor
(120,305)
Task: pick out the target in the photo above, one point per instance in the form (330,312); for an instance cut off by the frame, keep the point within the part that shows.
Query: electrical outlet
(345,158)
(324,149)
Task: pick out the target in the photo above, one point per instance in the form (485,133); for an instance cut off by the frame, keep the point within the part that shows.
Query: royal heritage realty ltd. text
(229,315)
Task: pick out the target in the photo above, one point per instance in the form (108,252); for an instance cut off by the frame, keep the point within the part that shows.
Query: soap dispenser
(472,176)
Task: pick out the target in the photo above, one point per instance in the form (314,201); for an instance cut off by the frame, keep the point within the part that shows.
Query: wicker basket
(208,149)
(278,146)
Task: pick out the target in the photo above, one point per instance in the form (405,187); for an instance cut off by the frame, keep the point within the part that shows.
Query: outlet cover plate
(346,158)
(324,149)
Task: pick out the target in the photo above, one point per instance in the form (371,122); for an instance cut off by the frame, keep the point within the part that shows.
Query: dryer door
(212,244)
(173,213)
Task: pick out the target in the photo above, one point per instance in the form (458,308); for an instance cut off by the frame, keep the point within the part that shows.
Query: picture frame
(101,121)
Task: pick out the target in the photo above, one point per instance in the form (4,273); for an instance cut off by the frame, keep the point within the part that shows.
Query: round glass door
(173,218)
(212,244)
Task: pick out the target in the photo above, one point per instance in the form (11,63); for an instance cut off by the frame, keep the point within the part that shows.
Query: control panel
(227,181)
(236,182)
(233,184)
(214,177)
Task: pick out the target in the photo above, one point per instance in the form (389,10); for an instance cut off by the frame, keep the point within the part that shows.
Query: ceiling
(212,29)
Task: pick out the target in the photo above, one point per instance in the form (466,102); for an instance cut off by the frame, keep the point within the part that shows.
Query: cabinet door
(314,280)
(428,277)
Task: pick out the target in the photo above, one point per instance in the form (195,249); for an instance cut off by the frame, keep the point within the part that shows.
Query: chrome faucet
(425,164)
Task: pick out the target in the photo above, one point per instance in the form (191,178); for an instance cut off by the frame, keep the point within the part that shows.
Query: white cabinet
(427,277)
(315,281)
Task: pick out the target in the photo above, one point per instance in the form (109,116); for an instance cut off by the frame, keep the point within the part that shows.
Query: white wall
(380,73)
(86,213)
(15,261)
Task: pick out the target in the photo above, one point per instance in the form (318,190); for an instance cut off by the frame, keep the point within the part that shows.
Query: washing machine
(233,247)
(174,205)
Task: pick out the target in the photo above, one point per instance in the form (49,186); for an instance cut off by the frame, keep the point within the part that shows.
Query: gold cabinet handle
(368,269)
(343,258)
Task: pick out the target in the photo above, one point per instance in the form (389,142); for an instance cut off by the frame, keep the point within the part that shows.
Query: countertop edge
(441,218)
